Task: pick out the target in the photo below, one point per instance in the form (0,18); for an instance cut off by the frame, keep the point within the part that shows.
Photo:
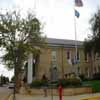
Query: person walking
(45,84)
(60,91)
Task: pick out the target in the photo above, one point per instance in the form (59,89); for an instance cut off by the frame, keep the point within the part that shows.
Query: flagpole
(35,7)
(75,30)
(77,3)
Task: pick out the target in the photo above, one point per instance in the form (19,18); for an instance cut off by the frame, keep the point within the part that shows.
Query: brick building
(58,59)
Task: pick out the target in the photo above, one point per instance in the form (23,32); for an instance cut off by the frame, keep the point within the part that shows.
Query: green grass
(95,84)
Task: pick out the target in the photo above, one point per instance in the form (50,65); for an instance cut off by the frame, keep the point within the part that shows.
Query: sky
(57,17)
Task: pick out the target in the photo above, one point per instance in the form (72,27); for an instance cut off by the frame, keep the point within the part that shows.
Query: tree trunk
(18,63)
(17,84)
(17,70)
(17,79)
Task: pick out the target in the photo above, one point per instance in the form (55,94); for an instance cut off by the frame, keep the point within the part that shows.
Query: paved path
(41,97)
(4,92)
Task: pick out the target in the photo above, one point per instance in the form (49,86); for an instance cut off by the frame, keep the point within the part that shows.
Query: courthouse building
(58,59)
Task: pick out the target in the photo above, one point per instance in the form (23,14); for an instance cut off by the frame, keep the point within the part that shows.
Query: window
(78,56)
(85,57)
(53,55)
(68,55)
(53,59)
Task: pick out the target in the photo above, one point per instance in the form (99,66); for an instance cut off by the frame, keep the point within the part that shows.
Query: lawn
(95,84)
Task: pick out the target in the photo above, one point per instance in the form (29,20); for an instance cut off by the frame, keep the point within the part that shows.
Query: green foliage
(4,79)
(62,82)
(73,82)
(88,46)
(92,44)
(95,84)
(19,37)
(36,84)
(39,83)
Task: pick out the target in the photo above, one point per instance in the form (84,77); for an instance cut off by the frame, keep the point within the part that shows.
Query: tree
(95,27)
(91,45)
(19,36)
(4,79)
(95,39)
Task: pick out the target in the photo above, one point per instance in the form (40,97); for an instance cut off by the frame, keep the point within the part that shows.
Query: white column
(30,69)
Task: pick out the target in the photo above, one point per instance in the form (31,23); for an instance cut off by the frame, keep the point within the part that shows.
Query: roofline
(63,43)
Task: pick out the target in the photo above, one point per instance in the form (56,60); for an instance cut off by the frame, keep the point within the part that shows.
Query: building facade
(60,58)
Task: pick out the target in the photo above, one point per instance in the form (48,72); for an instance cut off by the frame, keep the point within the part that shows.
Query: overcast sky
(57,16)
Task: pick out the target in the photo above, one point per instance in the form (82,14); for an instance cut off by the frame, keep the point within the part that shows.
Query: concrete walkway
(4,93)
(41,97)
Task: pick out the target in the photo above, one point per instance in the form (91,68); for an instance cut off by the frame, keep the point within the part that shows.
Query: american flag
(78,3)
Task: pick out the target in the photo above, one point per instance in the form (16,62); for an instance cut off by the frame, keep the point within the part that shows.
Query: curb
(8,97)
(92,98)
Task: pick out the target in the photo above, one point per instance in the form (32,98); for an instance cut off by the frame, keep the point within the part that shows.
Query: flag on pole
(74,61)
(78,3)
(77,14)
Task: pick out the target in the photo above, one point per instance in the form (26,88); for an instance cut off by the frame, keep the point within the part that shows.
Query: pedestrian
(60,91)
(45,84)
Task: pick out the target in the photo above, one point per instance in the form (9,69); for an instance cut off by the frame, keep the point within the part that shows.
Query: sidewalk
(41,97)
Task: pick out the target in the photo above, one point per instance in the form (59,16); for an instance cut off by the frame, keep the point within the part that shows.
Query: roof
(63,42)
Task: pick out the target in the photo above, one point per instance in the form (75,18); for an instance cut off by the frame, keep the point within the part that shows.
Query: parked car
(11,85)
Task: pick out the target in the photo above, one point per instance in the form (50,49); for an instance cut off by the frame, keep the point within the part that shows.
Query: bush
(36,84)
(63,83)
(44,82)
(70,82)
(74,82)
(39,83)
(95,84)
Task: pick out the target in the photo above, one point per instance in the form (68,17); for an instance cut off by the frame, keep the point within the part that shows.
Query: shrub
(39,83)
(44,82)
(70,82)
(73,82)
(95,84)
(63,83)
(36,84)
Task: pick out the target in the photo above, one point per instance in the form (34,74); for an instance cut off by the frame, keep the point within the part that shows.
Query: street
(4,92)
